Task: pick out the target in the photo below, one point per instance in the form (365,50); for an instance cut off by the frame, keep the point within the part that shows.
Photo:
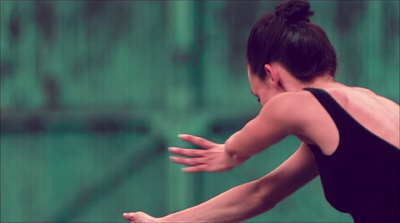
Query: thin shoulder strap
(337,113)
(348,127)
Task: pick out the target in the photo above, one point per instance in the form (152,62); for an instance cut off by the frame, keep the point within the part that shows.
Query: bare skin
(287,110)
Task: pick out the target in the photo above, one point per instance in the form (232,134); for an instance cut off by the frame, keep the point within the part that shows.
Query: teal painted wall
(94,92)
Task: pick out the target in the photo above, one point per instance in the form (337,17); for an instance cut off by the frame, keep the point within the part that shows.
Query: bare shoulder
(289,103)
(291,108)
(301,114)
(288,100)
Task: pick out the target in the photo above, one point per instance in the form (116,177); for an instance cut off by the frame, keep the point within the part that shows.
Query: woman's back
(377,114)
(361,176)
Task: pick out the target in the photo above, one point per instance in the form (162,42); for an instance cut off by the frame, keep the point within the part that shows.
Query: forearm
(237,204)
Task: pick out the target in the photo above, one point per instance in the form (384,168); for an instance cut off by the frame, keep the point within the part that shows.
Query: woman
(350,136)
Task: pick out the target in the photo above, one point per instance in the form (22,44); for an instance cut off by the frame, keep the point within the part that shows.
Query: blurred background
(94,92)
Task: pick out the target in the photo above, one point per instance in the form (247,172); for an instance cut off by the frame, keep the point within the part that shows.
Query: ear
(273,75)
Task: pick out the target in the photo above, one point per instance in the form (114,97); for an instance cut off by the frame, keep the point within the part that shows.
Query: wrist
(168,218)
(164,219)
(181,216)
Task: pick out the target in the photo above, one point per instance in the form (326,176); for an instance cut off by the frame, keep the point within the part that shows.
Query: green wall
(94,92)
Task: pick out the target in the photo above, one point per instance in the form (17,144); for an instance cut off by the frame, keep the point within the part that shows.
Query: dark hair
(287,36)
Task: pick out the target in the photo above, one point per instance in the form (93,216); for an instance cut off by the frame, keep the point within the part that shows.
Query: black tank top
(362,176)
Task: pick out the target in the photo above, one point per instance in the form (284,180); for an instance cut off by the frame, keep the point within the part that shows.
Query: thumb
(129,216)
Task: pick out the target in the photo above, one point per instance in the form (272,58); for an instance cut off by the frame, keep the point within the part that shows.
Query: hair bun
(294,11)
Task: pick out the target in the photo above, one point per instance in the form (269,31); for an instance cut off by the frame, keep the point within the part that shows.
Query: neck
(324,81)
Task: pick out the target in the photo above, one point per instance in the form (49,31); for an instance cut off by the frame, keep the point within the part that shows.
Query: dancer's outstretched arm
(249,199)
(275,121)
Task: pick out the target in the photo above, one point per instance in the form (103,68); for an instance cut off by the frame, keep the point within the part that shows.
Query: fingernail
(171,149)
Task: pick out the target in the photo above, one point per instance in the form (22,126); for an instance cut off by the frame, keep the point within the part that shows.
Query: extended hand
(139,217)
(213,158)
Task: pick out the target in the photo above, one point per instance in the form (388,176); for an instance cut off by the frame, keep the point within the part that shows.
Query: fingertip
(183,136)
(127,216)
